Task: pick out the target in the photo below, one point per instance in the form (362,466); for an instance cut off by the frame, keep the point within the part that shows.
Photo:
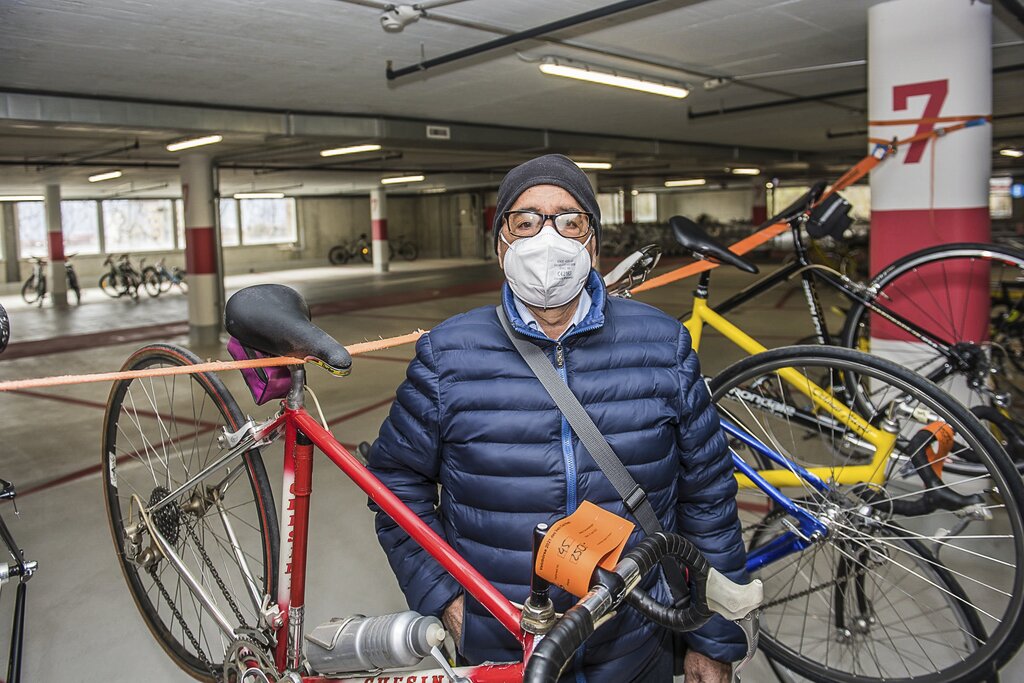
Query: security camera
(397,17)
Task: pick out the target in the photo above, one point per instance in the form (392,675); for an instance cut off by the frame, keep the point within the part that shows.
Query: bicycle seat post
(703,285)
(297,394)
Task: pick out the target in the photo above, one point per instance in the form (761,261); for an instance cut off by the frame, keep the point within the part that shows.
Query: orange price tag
(576,545)
(944,437)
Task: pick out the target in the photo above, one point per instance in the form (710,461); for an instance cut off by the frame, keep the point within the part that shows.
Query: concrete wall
(722,205)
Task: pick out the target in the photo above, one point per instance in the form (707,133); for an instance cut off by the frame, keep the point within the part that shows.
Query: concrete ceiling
(82,75)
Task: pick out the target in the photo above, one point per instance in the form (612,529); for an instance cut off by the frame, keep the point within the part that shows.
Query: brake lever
(750,625)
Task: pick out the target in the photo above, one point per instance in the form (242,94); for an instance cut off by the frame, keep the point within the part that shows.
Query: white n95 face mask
(546,270)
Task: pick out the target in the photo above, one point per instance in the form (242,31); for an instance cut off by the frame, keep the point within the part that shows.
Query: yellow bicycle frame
(882,441)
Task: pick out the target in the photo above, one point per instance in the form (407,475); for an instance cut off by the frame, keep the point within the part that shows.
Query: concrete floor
(82,624)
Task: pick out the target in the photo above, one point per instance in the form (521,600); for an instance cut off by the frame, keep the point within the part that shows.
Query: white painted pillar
(379,229)
(928,60)
(58,281)
(205,286)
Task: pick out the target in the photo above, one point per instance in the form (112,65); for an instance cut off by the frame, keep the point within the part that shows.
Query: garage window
(31,220)
(80,223)
(267,221)
(138,225)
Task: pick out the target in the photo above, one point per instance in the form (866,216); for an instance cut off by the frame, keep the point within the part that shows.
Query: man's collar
(582,309)
(591,319)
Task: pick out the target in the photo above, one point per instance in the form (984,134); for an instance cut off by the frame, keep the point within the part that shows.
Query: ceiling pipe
(550,27)
(1009,68)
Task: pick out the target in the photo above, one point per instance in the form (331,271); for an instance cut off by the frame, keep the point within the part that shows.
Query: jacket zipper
(567,453)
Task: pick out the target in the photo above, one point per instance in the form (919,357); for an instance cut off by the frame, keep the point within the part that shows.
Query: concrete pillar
(205,280)
(759,211)
(11,270)
(58,280)
(627,205)
(928,60)
(379,229)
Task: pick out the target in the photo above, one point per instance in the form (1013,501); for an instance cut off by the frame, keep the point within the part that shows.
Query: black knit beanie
(550,169)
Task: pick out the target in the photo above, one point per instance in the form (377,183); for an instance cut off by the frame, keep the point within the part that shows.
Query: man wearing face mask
(473,418)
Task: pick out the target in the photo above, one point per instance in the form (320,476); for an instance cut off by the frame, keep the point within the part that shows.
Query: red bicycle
(223,588)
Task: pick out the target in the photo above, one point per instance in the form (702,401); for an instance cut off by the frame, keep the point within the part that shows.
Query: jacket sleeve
(406,458)
(706,510)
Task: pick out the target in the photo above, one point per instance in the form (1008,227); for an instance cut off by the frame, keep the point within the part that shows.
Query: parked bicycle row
(123,278)
(361,249)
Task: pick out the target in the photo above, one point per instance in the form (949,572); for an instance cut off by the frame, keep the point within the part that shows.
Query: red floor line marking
(93,404)
(786,297)
(360,411)
(77,342)
(94,469)
(753,507)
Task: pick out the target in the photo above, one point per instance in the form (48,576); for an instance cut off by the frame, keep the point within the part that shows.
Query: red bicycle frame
(302,434)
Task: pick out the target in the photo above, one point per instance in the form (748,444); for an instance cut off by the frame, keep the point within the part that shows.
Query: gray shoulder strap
(632,495)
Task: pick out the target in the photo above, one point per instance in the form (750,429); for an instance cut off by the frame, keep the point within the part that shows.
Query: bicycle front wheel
(151,280)
(111,285)
(409,251)
(969,298)
(31,291)
(919,576)
(158,432)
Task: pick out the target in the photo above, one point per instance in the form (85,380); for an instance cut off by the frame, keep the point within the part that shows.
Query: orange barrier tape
(934,119)
(856,172)
(741,247)
(213,366)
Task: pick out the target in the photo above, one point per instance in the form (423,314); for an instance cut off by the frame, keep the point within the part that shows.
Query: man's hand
(700,669)
(452,619)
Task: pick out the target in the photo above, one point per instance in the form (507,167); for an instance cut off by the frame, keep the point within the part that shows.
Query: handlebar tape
(555,651)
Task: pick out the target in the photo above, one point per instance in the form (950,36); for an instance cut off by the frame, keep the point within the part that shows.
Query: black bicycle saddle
(275,319)
(704,246)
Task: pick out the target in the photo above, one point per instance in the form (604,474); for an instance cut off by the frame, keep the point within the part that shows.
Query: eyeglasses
(571,224)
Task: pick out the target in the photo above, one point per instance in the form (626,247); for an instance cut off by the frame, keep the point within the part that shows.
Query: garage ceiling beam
(549,27)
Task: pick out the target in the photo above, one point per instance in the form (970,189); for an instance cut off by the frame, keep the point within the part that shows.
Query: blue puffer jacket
(473,418)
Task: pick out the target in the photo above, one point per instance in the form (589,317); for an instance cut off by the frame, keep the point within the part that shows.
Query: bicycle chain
(190,530)
(812,589)
(184,626)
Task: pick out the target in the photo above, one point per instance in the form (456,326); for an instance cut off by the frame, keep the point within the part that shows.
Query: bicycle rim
(157,432)
(933,595)
(945,292)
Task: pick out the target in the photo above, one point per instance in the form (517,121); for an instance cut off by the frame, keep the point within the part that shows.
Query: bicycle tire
(151,281)
(365,252)
(140,451)
(73,285)
(409,251)
(30,290)
(991,373)
(166,279)
(985,567)
(337,255)
(110,285)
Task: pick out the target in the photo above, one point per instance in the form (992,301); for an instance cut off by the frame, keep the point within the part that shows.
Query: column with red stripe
(202,251)
(58,282)
(379,229)
(930,64)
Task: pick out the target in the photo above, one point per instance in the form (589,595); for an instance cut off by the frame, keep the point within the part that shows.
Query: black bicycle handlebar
(555,651)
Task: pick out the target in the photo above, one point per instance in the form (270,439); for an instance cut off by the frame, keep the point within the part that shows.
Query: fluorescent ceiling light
(259,195)
(402,179)
(435,190)
(746,171)
(194,142)
(634,192)
(22,198)
(104,176)
(691,182)
(593,165)
(591,75)
(354,149)
(1012,153)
